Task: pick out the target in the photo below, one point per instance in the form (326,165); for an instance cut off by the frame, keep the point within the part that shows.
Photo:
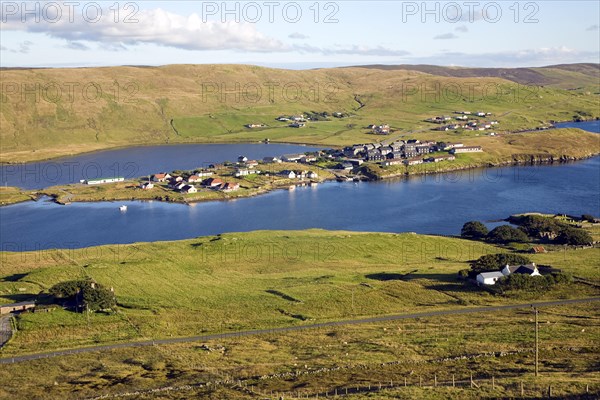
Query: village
(290,170)
(407,152)
(466,120)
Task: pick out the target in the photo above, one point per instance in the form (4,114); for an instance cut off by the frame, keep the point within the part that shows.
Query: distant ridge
(523,75)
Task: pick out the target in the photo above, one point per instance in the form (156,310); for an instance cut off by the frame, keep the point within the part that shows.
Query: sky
(300,34)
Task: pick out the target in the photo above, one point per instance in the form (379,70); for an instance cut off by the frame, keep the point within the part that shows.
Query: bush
(91,295)
(463,274)
(588,218)
(495,262)
(575,237)
(507,234)
(474,230)
(98,298)
(534,283)
(68,290)
(535,225)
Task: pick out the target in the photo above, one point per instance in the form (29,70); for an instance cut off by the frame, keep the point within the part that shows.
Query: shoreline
(126,146)
(533,161)
(130,146)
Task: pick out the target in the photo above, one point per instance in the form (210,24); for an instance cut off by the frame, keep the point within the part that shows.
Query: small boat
(123,208)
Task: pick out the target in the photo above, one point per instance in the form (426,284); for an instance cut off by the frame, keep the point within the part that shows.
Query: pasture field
(210,104)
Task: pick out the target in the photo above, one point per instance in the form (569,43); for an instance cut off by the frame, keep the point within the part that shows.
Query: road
(5,329)
(384,318)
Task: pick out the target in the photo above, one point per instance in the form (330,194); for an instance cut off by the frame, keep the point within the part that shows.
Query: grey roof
(494,274)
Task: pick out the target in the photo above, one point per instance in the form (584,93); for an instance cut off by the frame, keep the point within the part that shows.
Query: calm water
(135,162)
(592,126)
(433,204)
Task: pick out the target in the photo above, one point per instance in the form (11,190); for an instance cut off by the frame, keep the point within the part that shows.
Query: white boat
(123,208)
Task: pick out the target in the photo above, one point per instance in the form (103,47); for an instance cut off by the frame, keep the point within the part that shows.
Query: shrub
(534,283)
(474,230)
(495,262)
(575,237)
(507,234)
(86,292)
(463,274)
(69,289)
(588,218)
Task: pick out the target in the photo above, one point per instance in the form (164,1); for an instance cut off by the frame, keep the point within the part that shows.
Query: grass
(11,195)
(170,104)
(281,278)
(247,280)
(321,360)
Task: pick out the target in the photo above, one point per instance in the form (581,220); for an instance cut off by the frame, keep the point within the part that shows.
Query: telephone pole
(536,341)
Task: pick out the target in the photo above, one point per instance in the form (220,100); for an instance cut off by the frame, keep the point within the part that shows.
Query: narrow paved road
(5,329)
(384,318)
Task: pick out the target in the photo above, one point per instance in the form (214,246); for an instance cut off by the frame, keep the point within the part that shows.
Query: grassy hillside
(255,280)
(266,279)
(52,112)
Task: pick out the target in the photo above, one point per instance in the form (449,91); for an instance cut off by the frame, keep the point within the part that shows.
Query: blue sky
(273,33)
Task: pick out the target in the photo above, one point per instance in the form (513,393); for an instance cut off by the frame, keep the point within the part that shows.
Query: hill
(267,279)
(52,112)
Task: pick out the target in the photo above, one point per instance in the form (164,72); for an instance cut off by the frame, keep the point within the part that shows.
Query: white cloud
(76,46)
(352,50)
(154,26)
(462,28)
(446,36)
(525,57)
(593,28)
(298,35)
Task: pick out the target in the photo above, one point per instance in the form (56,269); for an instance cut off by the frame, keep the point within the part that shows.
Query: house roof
(493,274)
(522,269)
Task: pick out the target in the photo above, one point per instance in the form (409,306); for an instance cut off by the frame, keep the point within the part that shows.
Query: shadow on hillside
(13,278)
(17,298)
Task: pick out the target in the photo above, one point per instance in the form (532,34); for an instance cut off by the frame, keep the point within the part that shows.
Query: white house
(161,177)
(529,269)
(269,160)
(147,185)
(292,157)
(189,189)
(489,278)
(288,174)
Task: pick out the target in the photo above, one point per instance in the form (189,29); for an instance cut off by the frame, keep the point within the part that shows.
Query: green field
(181,104)
(244,281)
(241,281)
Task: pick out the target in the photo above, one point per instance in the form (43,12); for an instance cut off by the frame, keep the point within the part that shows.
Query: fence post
(420,382)
(522,390)
(493,383)
(453,385)
(404,378)
(434,380)
(471,380)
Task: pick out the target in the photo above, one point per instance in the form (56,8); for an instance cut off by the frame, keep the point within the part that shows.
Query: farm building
(16,307)
(489,278)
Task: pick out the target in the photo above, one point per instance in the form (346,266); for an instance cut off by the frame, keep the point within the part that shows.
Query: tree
(495,262)
(84,291)
(507,234)
(575,237)
(68,290)
(98,298)
(474,230)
